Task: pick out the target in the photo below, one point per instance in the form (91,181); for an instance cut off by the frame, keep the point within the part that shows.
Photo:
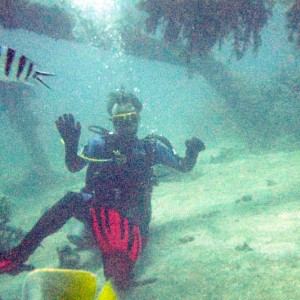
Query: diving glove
(194,146)
(68,129)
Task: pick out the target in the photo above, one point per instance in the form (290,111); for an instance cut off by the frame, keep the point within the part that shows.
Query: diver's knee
(71,194)
(71,197)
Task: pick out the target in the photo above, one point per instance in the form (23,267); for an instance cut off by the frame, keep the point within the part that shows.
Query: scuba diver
(115,203)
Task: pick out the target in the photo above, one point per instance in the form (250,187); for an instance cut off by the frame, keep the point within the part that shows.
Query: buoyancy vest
(128,173)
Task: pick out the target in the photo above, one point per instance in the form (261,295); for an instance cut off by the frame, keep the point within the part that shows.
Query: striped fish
(16,67)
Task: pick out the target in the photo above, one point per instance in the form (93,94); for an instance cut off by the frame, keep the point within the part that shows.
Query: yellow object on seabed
(64,284)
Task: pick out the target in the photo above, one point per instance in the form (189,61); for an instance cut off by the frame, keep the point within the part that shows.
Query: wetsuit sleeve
(167,157)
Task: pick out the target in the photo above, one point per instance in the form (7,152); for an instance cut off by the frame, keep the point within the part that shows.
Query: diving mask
(125,118)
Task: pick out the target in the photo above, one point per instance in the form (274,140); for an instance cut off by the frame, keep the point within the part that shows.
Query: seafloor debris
(68,258)
(5,209)
(225,155)
(10,235)
(201,24)
(243,248)
(271,182)
(186,239)
(245,199)
(209,215)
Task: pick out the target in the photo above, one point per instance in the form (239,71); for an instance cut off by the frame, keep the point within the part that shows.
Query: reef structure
(52,20)
(199,25)
(9,235)
(293,23)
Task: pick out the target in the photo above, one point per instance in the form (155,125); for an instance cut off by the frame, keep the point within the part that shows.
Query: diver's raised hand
(68,129)
(194,145)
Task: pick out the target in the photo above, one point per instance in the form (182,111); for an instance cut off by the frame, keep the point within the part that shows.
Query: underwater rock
(83,242)
(5,209)
(245,199)
(68,258)
(271,182)
(10,235)
(244,248)
(293,23)
(186,239)
(52,20)
(208,215)
(225,155)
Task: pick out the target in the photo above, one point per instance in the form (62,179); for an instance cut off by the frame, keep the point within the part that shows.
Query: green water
(227,230)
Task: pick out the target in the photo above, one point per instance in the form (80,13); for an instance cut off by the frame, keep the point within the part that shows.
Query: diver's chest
(133,165)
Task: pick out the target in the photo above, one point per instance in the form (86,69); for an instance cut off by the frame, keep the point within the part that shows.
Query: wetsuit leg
(51,221)
(146,215)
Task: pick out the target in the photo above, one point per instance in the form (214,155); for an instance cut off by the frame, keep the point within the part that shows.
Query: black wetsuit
(115,203)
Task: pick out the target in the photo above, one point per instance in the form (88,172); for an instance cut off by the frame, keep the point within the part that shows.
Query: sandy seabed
(228,230)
